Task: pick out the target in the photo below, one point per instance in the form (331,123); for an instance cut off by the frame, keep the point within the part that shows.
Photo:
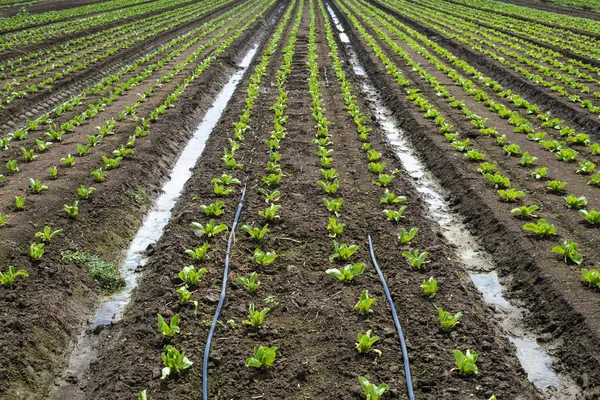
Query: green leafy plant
(333,206)
(347,273)
(375,167)
(270,213)
(209,230)
(569,251)
(498,180)
(364,303)
(263,357)
(539,173)
(213,209)
(510,195)
(174,362)
(69,161)
(270,196)
(98,175)
(168,330)
(416,258)
(566,155)
(512,149)
(272,180)
(263,258)
(391,198)
(393,215)
(73,210)
(384,180)
(486,168)
(366,342)
(191,275)
(448,320)
(7,278)
(592,217)
(226,180)
(405,236)
(586,167)
(198,254)
(430,287)
(53,172)
(251,283)
(541,228)
(330,187)
(372,391)
(12,166)
(28,155)
(474,155)
(525,211)
(575,202)
(3,218)
(221,190)
(335,228)
(255,318)
(256,233)
(527,159)
(342,252)
(556,186)
(36,186)
(591,276)
(465,362)
(47,234)
(36,251)
(111,163)
(19,202)
(85,192)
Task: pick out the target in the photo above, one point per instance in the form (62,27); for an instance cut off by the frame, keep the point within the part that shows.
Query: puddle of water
(112,308)
(477,261)
(153,226)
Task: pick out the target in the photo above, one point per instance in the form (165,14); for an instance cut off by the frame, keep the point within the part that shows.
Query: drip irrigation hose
(409,387)
(221,299)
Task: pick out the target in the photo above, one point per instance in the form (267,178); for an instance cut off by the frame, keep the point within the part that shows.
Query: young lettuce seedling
(261,258)
(366,341)
(498,180)
(3,218)
(384,180)
(73,210)
(47,234)
(209,230)
(448,320)
(542,228)
(415,258)
(333,206)
(28,155)
(174,361)
(251,283)
(575,202)
(270,213)
(270,196)
(168,330)
(143,395)
(539,173)
(12,166)
(486,168)
(256,233)
(98,175)
(7,278)
(263,357)
(525,211)
(391,198)
(556,186)
(591,276)
(592,217)
(213,209)
(69,161)
(510,195)
(53,172)
(466,362)
(371,391)
(347,273)
(111,163)
(36,251)
(586,167)
(272,180)
(226,180)
(430,287)
(255,318)
(364,303)
(376,168)
(342,252)
(19,202)
(335,228)
(595,179)
(395,216)
(569,251)
(36,186)
(85,192)
(198,254)
(221,190)
(190,275)
(405,236)
(330,188)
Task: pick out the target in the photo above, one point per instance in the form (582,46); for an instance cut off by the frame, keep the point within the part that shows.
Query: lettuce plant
(364,302)
(586,167)
(448,320)
(465,363)
(430,287)
(592,217)
(111,163)
(270,213)
(405,236)
(53,172)
(19,202)
(270,196)
(366,342)
(198,254)
(330,187)
(226,180)
(47,234)
(251,283)
(512,149)
(391,198)
(510,195)
(73,210)
(98,175)
(168,330)
(527,159)
(556,186)
(393,215)
(342,252)
(539,173)
(7,278)
(174,362)
(335,228)
(333,206)
(190,275)
(143,395)
(221,190)
(376,168)
(36,186)
(255,318)
(28,155)
(498,180)
(85,192)
(211,229)
(272,180)
(69,161)
(541,228)
(347,273)
(591,276)
(595,179)
(36,251)
(263,258)
(3,218)
(566,155)
(384,180)
(256,233)
(575,202)
(525,211)
(416,258)
(474,155)
(214,209)
(569,251)
(12,166)
(486,168)
(263,357)
(371,391)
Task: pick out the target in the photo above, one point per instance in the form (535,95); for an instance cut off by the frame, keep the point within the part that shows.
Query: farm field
(299,199)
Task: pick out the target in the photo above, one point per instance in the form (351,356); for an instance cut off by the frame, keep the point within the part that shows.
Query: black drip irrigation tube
(221,299)
(409,387)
